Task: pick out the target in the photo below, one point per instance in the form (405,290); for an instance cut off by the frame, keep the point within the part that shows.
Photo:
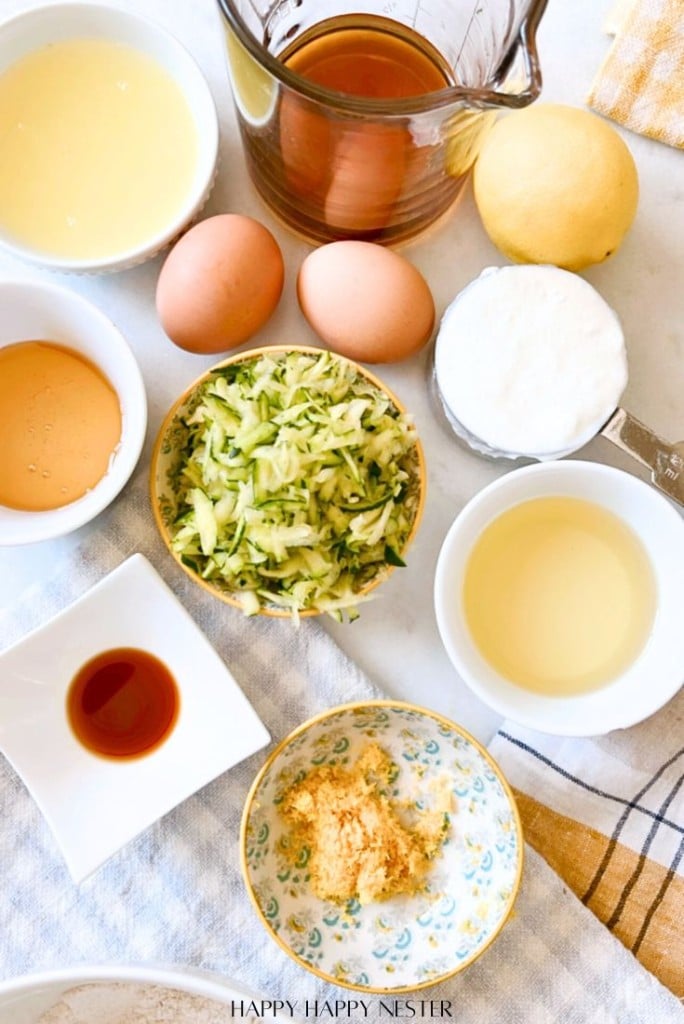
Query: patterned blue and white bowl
(406,942)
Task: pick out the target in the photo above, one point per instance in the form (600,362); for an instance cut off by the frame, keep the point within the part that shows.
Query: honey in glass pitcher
(356,124)
(353,175)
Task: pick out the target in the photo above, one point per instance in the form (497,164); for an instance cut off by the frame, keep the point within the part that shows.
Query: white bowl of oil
(73,411)
(110,137)
(558,595)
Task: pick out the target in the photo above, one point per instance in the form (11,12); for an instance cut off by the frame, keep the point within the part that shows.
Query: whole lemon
(555,184)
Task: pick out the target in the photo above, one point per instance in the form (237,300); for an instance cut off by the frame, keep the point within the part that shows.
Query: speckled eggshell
(366,302)
(219,284)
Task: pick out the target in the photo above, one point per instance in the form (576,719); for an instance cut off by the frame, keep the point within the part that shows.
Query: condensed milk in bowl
(558,595)
(110,137)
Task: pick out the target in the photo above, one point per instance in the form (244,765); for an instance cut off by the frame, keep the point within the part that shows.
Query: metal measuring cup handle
(665,460)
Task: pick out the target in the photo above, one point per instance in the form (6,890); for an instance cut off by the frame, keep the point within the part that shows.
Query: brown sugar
(360,849)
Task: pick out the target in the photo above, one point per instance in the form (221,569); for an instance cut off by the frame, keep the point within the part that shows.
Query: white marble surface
(396,640)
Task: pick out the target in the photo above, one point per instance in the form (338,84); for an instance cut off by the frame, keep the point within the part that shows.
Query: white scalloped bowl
(41,26)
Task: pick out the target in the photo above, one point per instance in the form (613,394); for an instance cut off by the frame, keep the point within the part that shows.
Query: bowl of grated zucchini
(288,481)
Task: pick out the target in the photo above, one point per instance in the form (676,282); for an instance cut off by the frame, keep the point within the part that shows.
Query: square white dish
(95,805)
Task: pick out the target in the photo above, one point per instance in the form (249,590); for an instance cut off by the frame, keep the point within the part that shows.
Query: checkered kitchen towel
(641,82)
(608,815)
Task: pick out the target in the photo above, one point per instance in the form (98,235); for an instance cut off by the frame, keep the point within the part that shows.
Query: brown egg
(366,302)
(219,284)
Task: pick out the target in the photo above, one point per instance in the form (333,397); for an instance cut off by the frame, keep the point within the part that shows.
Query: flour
(530,360)
(123,1003)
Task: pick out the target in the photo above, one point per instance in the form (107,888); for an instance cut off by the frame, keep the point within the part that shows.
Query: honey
(363,55)
(332,175)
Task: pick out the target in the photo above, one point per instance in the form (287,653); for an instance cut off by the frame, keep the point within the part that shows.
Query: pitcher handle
(523,48)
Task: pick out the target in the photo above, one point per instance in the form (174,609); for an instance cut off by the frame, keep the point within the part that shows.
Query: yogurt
(529,361)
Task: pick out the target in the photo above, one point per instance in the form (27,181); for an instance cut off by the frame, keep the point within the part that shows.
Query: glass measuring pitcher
(363,119)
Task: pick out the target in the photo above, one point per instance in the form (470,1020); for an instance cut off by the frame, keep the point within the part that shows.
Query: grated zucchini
(298,484)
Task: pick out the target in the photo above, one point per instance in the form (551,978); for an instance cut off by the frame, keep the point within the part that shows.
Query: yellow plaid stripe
(641,82)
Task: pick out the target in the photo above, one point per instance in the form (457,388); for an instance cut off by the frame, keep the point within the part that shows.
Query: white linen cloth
(175,894)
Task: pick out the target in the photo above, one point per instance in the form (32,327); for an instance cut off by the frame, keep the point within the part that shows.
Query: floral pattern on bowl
(406,942)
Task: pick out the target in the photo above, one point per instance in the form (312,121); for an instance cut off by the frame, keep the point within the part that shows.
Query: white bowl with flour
(126,995)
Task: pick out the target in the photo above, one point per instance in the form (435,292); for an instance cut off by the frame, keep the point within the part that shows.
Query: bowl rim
(196,981)
(207,155)
(442,720)
(64,519)
(544,712)
(256,353)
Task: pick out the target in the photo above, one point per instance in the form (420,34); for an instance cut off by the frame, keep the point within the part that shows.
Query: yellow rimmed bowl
(406,942)
(169,489)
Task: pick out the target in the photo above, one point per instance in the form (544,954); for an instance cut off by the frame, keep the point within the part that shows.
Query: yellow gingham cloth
(641,82)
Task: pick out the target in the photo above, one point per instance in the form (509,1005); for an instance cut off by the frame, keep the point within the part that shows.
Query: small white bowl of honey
(110,138)
(559,592)
(73,411)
